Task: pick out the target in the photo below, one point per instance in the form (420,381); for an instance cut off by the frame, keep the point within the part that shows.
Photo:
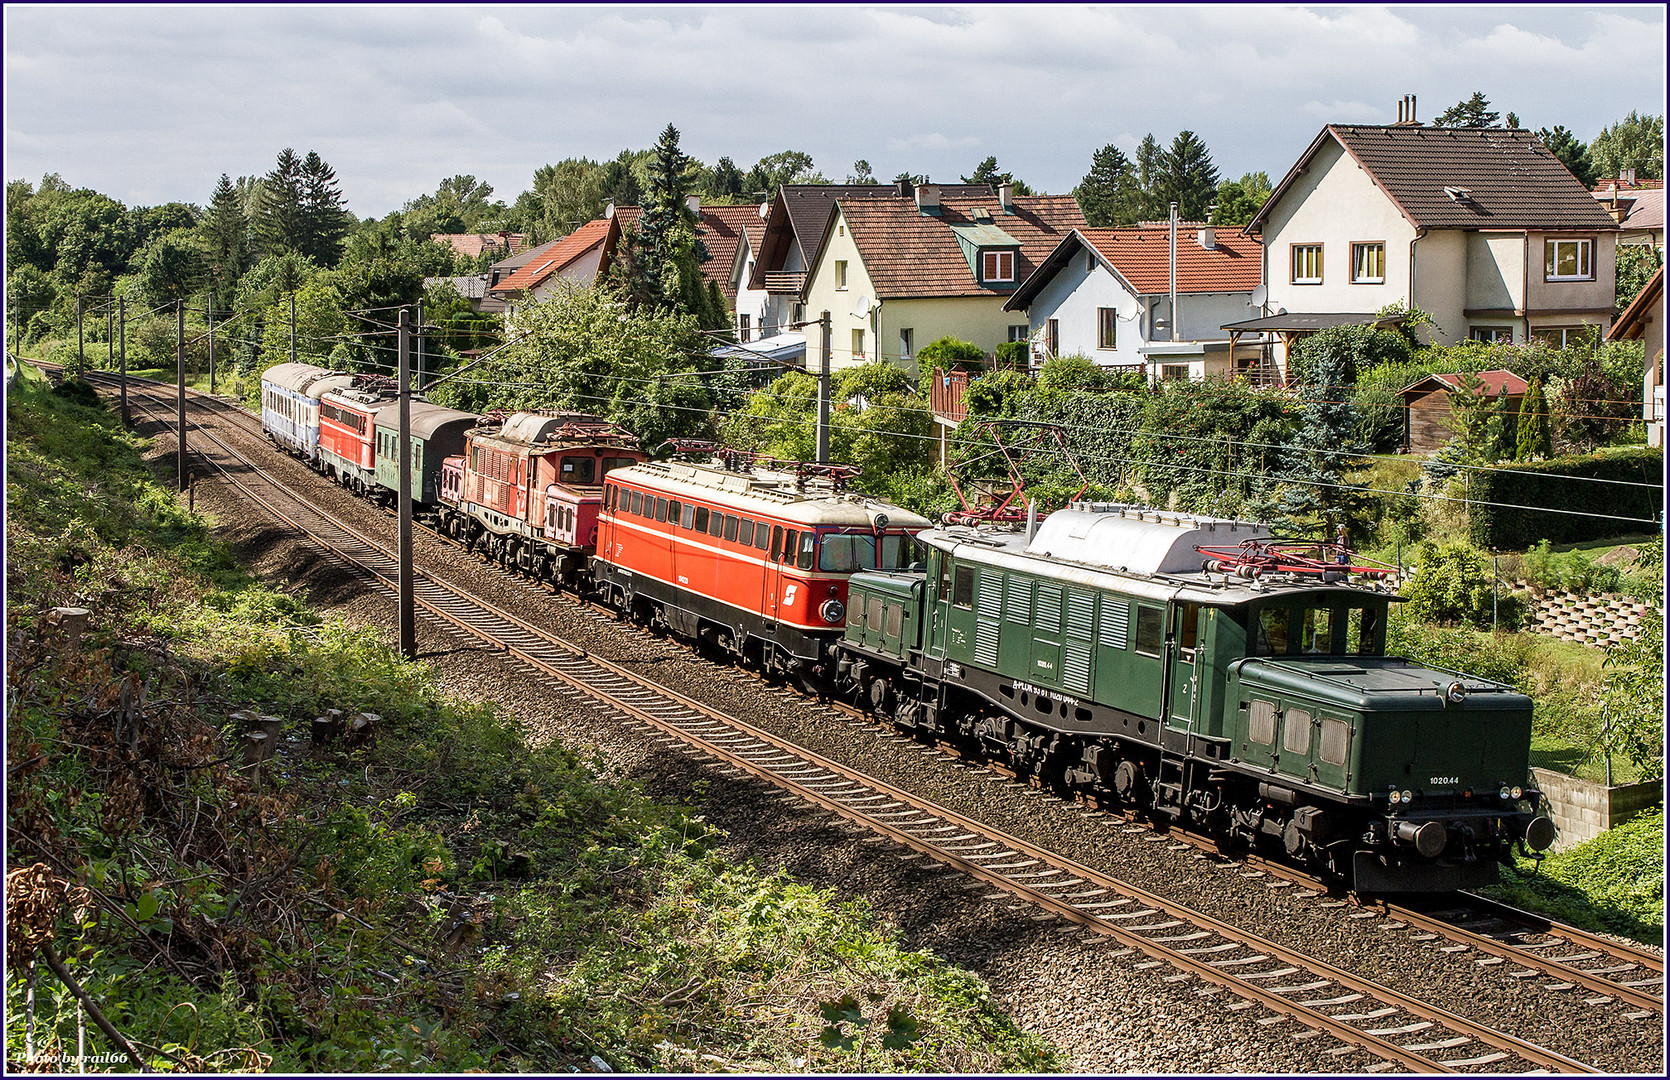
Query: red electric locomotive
(348,430)
(756,565)
(527,489)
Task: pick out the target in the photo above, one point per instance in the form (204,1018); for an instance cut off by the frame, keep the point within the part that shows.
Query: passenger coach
(290,396)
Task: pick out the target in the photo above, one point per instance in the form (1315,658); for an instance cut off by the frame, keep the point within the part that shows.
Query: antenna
(1260,294)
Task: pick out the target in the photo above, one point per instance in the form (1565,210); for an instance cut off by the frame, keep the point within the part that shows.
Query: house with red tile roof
(1481,228)
(1107,294)
(896,273)
(579,259)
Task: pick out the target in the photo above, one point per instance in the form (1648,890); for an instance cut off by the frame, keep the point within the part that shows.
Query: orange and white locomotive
(754,564)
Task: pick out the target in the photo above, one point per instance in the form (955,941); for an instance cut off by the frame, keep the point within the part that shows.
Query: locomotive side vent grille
(1081,616)
(1116,621)
(988,607)
(1049,607)
(1017,606)
(1075,667)
(985,642)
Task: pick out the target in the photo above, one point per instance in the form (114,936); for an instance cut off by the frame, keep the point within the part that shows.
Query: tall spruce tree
(324,219)
(225,231)
(1315,497)
(1109,194)
(278,219)
(1188,177)
(1150,168)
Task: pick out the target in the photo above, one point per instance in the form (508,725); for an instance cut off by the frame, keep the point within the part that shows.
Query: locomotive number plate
(1444,780)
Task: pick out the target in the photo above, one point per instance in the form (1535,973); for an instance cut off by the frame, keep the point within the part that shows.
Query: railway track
(1366,1018)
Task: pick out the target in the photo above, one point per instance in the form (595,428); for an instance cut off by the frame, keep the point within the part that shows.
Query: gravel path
(1101,1011)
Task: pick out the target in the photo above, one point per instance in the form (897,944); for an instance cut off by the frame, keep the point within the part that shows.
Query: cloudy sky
(152,103)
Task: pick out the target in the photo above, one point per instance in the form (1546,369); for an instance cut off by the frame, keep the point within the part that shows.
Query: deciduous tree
(1635,142)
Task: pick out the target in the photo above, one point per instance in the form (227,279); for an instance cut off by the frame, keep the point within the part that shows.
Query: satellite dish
(861,307)
(1129,308)
(1259,295)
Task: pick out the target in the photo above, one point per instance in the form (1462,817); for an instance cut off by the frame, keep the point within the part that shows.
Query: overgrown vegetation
(1613,884)
(239,876)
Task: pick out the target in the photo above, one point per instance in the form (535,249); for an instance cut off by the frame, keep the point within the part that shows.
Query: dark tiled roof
(910,254)
(1497,178)
(1632,324)
(722,228)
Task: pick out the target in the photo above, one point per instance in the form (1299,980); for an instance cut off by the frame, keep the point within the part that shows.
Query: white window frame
(1585,258)
(858,343)
(1359,248)
(997,266)
(1018,332)
(1293,256)
(907,344)
(1492,334)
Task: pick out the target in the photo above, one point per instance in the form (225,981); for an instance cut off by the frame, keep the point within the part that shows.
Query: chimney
(1406,112)
(1627,176)
(1207,238)
(1006,197)
(694,202)
(904,188)
(927,199)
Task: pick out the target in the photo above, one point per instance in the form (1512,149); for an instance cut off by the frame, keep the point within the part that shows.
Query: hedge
(1514,506)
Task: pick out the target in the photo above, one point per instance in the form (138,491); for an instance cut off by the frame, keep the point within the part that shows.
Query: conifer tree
(226,240)
(1535,434)
(1109,193)
(278,218)
(324,220)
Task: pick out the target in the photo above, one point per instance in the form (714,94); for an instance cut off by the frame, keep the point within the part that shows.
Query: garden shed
(1428,406)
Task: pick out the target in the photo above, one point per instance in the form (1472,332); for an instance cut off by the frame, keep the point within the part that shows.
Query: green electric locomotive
(1136,656)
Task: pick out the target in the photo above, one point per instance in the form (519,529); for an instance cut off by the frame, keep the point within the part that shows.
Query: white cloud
(154,102)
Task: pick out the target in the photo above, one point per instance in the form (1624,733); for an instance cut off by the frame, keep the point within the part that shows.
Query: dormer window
(997,266)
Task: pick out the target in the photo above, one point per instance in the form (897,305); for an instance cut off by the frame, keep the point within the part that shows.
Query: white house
(1107,294)
(1481,228)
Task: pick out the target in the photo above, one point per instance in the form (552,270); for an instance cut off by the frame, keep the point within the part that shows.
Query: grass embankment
(1613,883)
(438,895)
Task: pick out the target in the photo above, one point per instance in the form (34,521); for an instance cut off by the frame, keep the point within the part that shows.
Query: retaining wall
(1582,809)
(1597,620)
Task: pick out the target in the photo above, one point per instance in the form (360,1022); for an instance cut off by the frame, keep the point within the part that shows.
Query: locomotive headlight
(1518,791)
(1505,794)
(1408,796)
(1394,797)
(833,611)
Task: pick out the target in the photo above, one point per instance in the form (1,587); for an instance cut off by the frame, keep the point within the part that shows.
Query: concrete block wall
(1582,809)
(1598,620)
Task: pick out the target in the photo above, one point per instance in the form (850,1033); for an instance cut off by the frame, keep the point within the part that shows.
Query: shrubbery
(1455,584)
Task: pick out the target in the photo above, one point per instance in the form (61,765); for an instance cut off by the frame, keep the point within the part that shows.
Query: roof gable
(1458,178)
(1139,258)
(1490,382)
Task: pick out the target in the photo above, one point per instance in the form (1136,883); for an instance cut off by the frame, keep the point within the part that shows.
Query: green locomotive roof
(1380,683)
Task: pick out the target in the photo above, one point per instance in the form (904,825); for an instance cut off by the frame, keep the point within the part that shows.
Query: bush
(1454,584)
(1613,883)
(1573,571)
(948,350)
(1013,354)
(1561,500)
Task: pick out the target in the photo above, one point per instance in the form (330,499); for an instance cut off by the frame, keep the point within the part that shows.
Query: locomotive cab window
(1188,629)
(1271,632)
(791,539)
(609,464)
(808,550)
(962,587)
(1150,630)
(579,470)
(1365,631)
(1316,630)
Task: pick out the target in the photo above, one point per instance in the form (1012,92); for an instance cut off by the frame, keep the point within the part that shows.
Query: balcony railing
(785,282)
